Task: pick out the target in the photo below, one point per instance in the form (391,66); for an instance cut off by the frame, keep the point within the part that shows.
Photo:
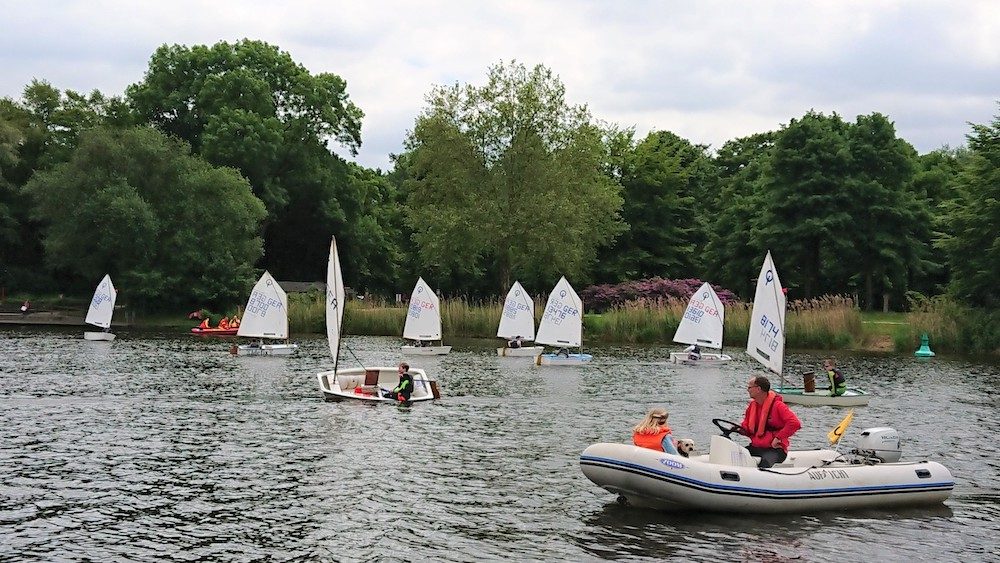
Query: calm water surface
(165,448)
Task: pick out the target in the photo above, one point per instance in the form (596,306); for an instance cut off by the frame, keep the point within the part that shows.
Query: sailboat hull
(853,397)
(425,350)
(266,349)
(361,384)
(555,360)
(105,336)
(706,359)
(522,352)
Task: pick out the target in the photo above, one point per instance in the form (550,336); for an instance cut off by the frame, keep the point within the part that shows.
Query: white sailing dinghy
(766,343)
(701,326)
(266,318)
(518,322)
(102,308)
(562,326)
(423,322)
(364,383)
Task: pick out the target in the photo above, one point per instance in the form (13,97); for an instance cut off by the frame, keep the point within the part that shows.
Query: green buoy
(925,350)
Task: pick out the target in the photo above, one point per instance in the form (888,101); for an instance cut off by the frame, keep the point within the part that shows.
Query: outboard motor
(879,445)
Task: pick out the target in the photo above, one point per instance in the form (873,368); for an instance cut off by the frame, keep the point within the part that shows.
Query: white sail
(423,319)
(102,306)
(266,315)
(562,322)
(766,342)
(335,302)
(518,317)
(703,319)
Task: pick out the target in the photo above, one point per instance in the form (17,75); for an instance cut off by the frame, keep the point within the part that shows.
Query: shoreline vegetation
(827,323)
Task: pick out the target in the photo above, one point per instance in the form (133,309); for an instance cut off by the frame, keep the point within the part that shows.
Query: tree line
(218,164)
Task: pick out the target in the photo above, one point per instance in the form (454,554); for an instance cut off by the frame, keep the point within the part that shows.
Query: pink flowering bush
(607,296)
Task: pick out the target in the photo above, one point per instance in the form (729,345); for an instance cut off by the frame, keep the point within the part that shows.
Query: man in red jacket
(768,422)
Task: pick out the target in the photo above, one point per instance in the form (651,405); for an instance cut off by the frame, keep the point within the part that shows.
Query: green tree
(663,197)
(744,168)
(890,225)
(509,179)
(971,220)
(807,204)
(250,106)
(136,204)
(247,105)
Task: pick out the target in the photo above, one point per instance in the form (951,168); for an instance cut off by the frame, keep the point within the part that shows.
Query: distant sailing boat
(518,321)
(102,308)
(766,343)
(700,326)
(266,318)
(362,383)
(562,326)
(423,322)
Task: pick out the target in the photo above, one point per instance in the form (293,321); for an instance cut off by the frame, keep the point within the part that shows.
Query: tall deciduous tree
(136,204)
(664,199)
(732,255)
(884,238)
(507,178)
(971,222)
(807,204)
(251,106)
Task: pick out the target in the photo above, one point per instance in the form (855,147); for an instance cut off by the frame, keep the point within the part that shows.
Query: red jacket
(779,422)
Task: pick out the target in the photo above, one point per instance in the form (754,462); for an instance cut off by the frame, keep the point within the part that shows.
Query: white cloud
(709,71)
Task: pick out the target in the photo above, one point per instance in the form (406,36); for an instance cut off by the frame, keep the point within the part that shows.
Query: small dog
(685,447)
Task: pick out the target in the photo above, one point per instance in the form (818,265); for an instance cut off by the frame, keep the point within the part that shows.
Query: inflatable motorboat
(727,479)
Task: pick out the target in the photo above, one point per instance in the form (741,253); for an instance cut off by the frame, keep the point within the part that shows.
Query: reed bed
(824,323)
(951,327)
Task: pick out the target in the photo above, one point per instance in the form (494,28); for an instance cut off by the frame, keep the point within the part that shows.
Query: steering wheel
(727,426)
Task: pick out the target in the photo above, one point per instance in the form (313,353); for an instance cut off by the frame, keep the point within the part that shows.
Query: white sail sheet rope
(562,321)
(266,313)
(102,305)
(518,316)
(423,318)
(766,340)
(703,319)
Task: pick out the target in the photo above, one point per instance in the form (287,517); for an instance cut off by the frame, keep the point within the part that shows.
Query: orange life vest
(652,441)
(224,323)
(204,324)
(759,414)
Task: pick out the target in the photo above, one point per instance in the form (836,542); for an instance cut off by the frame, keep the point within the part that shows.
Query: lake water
(163,447)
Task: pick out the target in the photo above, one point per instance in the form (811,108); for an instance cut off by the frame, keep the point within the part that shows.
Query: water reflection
(166,446)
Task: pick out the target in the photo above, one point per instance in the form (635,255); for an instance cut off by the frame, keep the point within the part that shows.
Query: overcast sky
(707,71)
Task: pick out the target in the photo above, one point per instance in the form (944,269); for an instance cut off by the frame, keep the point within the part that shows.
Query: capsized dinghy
(727,478)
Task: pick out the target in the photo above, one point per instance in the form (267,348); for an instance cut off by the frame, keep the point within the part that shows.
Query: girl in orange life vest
(653,432)
(768,422)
